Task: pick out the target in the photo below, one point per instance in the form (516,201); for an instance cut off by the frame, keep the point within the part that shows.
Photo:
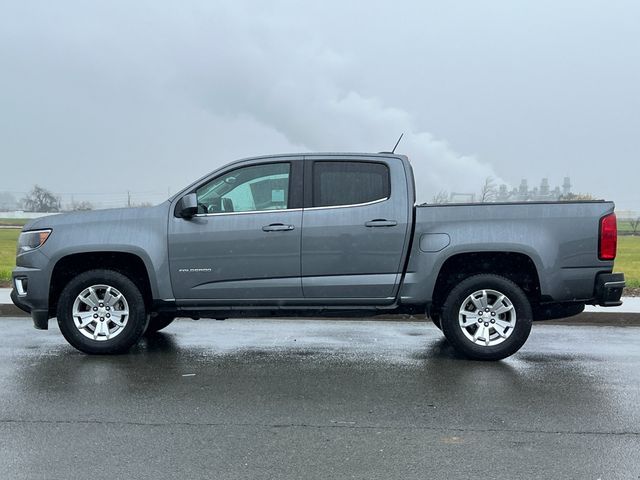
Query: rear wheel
(159,321)
(487,317)
(101,311)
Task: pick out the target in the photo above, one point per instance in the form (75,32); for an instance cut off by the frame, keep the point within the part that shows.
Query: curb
(10,310)
(610,319)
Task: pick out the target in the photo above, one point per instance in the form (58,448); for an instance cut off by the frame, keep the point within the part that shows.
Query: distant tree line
(40,200)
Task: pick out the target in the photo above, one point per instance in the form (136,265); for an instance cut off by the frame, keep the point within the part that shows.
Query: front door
(244,243)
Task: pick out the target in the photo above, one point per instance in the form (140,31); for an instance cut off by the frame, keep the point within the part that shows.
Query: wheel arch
(132,265)
(516,266)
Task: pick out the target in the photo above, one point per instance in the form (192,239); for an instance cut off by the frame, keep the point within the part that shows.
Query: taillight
(608,237)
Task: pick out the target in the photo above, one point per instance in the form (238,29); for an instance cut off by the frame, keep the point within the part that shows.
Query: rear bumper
(609,287)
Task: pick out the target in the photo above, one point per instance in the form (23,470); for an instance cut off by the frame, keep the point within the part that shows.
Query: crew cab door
(355,227)
(244,243)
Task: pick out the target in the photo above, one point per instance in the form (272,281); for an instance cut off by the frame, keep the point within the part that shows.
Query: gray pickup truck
(317,235)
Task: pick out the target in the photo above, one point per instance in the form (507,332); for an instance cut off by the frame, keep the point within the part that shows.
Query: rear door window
(349,183)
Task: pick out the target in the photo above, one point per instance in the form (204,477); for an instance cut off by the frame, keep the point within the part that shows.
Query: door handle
(277,227)
(381,222)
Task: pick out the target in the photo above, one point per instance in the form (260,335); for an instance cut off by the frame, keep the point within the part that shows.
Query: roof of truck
(323,154)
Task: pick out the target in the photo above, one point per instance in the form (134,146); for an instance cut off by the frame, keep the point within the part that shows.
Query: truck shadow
(157,342)
(439,349)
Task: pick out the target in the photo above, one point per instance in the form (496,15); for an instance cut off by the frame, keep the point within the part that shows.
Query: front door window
(248,189)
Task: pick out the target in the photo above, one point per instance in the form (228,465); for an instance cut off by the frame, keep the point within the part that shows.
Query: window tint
(348,183)
(247,189)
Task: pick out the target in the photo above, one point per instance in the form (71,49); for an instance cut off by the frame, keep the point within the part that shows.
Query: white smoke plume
(307,95)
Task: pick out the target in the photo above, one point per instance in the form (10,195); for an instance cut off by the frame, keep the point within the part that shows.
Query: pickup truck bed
(550,245)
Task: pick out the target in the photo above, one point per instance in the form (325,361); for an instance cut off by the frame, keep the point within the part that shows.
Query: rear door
(355,225)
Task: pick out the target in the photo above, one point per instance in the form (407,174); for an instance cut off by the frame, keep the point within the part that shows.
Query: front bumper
(609,287)
(33,294)
(40,317)
(18,303)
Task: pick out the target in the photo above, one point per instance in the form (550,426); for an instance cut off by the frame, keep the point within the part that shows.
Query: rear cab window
(337,183)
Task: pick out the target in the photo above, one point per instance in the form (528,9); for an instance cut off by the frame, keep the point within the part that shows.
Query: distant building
(542,193)
(457,197)
(537,194)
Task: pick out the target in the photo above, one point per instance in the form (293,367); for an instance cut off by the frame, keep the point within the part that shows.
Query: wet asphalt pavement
(319,399)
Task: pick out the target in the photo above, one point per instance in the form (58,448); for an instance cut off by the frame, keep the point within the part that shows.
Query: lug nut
(479,320)
(493,321)
(493,314)
(109,308)
(95,315)
(95,309)
(109,315)
(486,309)
(102,319)
(102,304)
(480,312)
(486,324)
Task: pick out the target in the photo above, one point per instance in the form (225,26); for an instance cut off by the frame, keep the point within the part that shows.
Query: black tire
(454,332)
(132,330)
(159,321)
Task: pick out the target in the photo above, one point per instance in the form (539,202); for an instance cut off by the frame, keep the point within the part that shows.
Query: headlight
(31,240)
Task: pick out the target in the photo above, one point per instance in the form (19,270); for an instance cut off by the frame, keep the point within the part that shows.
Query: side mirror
(187,206)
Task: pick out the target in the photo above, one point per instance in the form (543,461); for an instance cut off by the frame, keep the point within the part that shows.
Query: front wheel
(487,317)
(101,311)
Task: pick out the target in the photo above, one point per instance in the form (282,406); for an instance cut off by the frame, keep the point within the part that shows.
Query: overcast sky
(104,97)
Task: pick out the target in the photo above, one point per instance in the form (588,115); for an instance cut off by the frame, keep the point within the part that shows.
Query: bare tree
(635,225)
(441,197)
(41,200)
(575,196)
(488,192)
(81,206)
